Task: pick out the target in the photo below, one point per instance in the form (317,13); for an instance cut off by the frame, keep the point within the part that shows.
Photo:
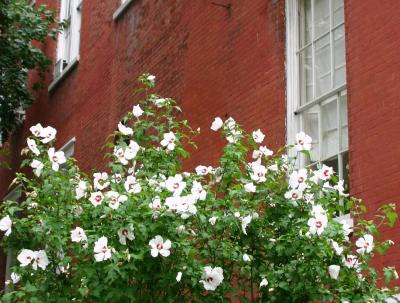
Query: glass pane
(339,56)
(332,162)
(329,128)
(310,125)
(306,85)
(338,11)
(321,17)
(344,135)
(305,22)
(323,65)
(346,171)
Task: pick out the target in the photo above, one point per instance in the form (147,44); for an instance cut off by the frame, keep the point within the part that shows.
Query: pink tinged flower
(212,277)
(101,251)
(365,244)
(258,136)
(325,172)
(169,141)
(158,246)
(294,194)
(36,130)
(132,186)
(212,220)
(250,188)
(198,191)
(56,158)
(351,261)
(5,225)
(338,250)
(40,259)
(80,190)
(78,235)
(175,184)
(334,271)
(258,172)
(100,181)
(37,167)
(125,130)
(303,141)
(298,179)
(137,111)
(33,147)
(264,283)
(317,224)
(115,199)
(25,257)
(96,198)
(178,277)
(202,170)
(244,222)
(48,134)
(126,233)
(217,124)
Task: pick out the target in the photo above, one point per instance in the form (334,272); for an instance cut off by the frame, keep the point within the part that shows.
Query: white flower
(303,141)
(169,141)
(334,271)
(126,233)
(258,172)
(325,172)
(115,199)
(250,188)
(37,166)
(178,277)
(212,220)
(317,224)
(78,235)
(37,130)
(100,181)
(233,136)
(347,229)
(158,246)
(198,191)
(263,283)
(80,190)
(132,186)
(246,258)
(5,225)
(237,214)
(212,277)
(48,134)
(258,136)
(137,111)
(337,248)
(318,210)
(294,195)
(156,205)
(15,277)
(186,206)
(244,222)
(230,123)
(56,158)
(340,188)
(33,147)
(151,78)
(298,179)
(160,102)
(96,198)
(25,257)
(202,170)
(175,184)
(351,261)
(217,124)
(101,250)
(262,151)
(365,244)
(40,259)
(125,130)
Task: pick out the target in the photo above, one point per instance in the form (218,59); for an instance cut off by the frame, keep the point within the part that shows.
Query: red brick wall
(373,77)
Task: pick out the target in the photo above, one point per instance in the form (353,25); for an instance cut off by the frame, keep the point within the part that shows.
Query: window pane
(339,56)
(321,17)
(338,11)
(310,125)
(344,136)
(305,22)
(346,171)
(323,65)
(329,128)
(306,85)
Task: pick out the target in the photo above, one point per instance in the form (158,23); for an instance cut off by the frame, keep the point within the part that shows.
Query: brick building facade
(227,58)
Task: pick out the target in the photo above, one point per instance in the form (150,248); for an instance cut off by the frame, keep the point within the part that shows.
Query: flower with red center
(317,224)
(298,179)
(101,250)
(258,172)
(56,158)
(365,244)
(100,181)
(169,141)
(78,235)
(175,184)
(325,172)
(132,186)
(158,246)
(96,198)
(37,130)
(33,147)
(212,277)
(303,141)
(115,199)
(126,233)
(258,136)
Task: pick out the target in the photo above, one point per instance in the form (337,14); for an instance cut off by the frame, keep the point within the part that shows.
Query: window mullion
(314,93)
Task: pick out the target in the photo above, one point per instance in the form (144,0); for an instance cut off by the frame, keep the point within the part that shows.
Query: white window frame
(293,93)
(121,9)
(69,148)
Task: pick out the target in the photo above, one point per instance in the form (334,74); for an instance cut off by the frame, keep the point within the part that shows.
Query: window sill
(64,73)
(121,10)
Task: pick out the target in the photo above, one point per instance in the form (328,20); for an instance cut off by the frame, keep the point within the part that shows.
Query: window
(68,39)
(69,148)
(121,9)
(316,80)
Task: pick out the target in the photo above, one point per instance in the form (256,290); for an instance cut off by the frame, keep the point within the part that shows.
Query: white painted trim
(63,74)
(67,146)
(121,9)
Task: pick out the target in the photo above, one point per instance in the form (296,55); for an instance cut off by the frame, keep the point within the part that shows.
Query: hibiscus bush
(258,228)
